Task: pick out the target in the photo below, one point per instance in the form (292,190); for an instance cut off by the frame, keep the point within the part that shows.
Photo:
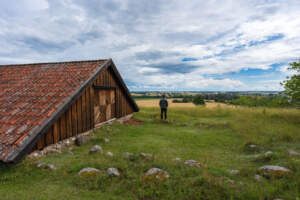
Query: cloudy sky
(229,45)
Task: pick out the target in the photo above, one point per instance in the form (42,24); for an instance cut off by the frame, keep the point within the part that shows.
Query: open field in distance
(155,103)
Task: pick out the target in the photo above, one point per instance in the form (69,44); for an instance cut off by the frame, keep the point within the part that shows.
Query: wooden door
(104,105)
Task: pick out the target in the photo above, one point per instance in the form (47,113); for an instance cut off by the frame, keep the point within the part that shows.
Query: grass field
(215,137)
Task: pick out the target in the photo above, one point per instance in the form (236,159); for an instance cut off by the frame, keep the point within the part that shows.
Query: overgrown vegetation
(254,101)
(215,137)
(292,84)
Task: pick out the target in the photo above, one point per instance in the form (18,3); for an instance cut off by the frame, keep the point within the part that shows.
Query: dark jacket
(163,103)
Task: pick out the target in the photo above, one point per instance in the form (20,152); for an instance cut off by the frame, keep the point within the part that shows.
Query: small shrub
(198,100)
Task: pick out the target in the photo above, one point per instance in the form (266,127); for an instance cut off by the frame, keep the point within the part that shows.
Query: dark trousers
(163,111)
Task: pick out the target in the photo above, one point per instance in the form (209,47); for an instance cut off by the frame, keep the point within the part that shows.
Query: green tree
(292,84)
(198,100)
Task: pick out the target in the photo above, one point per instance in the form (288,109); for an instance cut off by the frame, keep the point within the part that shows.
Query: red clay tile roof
(30,93)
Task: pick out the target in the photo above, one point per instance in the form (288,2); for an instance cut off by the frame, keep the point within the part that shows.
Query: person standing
(163,103)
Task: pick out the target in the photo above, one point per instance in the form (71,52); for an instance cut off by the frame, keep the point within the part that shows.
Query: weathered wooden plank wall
(79,117)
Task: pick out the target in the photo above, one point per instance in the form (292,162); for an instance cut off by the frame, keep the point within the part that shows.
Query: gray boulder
(40,164)
(127,155)
(268,153)
(88,172)
(234,171)
(109,154)
(146,155)
(257,177)
(51,167)
(95,149)
(156,174)
(192,163)
(293,153)
(176,160)
(274,170)
(106,140)
(81,139)
(113,172)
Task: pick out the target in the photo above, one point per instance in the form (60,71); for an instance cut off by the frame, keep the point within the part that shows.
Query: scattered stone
(109,154)
(70,152)
(113,172)
(156,174)
(81,139)
(40,164)
(274,170)
(230,181)
(51,151)
(269,153)
(234,171)
(192,163)
(95,149)
(35,154)
(257,177)
(252,146)
(50,166)
(146,155)
(176,160)
(68,142)
(106,140)
(88,172)
(293,153)
(127,155)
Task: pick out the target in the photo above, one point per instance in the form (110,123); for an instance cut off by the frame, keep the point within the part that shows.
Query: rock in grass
(106,140)
(257,177)
(156,174)
(268,153)
(88,172)
(192,163)
(234,171)
(293,153)
(146,155)
(81,139)
(51,151)
(127,155)
(177,160)
(95,149)
(109,154)
(274,170)
(50,166)
(113,172)
(40,164)
(35,155)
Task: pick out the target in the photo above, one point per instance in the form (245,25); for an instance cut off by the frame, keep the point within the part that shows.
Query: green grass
(215,137)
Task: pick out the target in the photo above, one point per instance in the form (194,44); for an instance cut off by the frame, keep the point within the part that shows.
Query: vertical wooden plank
(92,107)
(69,122)
(74,119)
(88,109)
(41,143)
(83,109)
(63,127)
(79,115)
(56,132)
(49,136)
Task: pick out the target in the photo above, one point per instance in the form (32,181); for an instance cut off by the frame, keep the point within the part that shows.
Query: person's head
(163,96)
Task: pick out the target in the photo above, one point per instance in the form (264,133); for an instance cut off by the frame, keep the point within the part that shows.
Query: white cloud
(225,36)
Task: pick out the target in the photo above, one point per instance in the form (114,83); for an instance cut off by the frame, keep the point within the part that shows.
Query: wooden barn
(43,103)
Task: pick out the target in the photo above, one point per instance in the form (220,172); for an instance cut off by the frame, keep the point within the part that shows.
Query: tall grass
(216,137)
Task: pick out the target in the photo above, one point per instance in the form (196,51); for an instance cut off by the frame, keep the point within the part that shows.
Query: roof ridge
(59,62)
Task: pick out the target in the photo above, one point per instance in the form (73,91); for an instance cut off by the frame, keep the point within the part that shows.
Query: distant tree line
(259,101)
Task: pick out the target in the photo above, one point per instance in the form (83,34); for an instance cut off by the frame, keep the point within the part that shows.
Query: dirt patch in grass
(133,122)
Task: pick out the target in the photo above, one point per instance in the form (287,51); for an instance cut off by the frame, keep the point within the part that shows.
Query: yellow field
(155,103)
